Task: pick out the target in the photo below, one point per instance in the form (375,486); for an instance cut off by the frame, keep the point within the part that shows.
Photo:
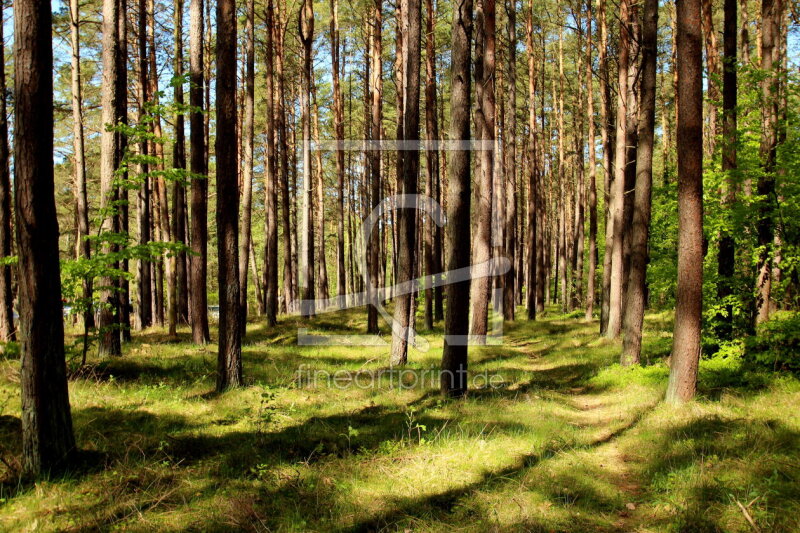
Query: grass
(569,442)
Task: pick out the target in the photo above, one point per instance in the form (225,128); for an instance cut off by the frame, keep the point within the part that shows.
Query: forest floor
(569,441)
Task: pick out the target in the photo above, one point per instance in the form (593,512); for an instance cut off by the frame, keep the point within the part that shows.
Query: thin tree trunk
(606,136)
(109,341)
(283,144)
(271,180)
(179,290)
(319,188)
(372,122)
(485,124)
(122,148)
(636,293)
(229,358)
(82,244)
(726,255)
(431,154)
(248,136)
(688,310)
(592,198)
(47,438)
(510,132)
(616,210)
(534,226)
(407,181)
(457,231)
(338,127)
(199,170)
(306,251)
(712,69)
(771,11)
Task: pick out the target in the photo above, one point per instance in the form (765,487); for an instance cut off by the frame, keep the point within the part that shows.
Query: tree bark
(591,290)
(179,290)
(712,69)
(271,180)
(373,122)
(47,438)
(123,211)
(688,310)
(199,170)
(606,136)
(109,335)
(726,255)
(457,231)
(431,155)
(616,210)
(229,358)
(534,251)
(510,132)
(338,127)
(82,245)
(248,137)
(306,251)
(485,124)
(407,181)
(145,311)
(7,331)
(771,11)
(636,293)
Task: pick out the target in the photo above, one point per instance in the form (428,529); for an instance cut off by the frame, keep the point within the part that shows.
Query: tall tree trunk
(431,154)
(561,263)
(319,189)
(726,255)
(407,181)
(283,143)
(229,358)
(47,437)
(591,290)
(306,251)
(109,341)
(616,210)
(338,128)
(689,305)
(771,12)
(712,69)
(485,123)
(248,137)
(373,124)
(534,249)
(179,291)
(122,148)
(606,136)
(271,181)
(635,300)
(145,311)
(199,170)
(510,132)
(457,231)
(82,244)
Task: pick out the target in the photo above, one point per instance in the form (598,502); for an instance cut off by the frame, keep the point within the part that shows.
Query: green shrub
(776,342)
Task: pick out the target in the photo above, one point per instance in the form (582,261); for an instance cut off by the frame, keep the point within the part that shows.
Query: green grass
(570,442)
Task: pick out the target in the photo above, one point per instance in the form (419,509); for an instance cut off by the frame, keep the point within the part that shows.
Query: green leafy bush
(777,342)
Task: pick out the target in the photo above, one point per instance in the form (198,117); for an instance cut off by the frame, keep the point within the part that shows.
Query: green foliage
(777,342)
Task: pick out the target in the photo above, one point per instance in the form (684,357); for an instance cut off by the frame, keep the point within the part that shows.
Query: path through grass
(569,442)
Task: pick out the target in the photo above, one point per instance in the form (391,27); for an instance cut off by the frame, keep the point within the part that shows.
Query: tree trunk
(47,438)
(608,161)
(636,293)
(510,132)
(689,305)
(726,255)
(109,341)
(485,124)
(407,181)
(307,225)
(179,290)
(122,147)
(7,332)
(271,181)
(319,188)
(283,144)
(534,249)
(145,316)
(431,155)
(248,137)
(616,210)
(82,244)
(457,231)
(373,125)
(199,170)
(338,128)
(771,11)
(712,75)
(592,198)
(229,359)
